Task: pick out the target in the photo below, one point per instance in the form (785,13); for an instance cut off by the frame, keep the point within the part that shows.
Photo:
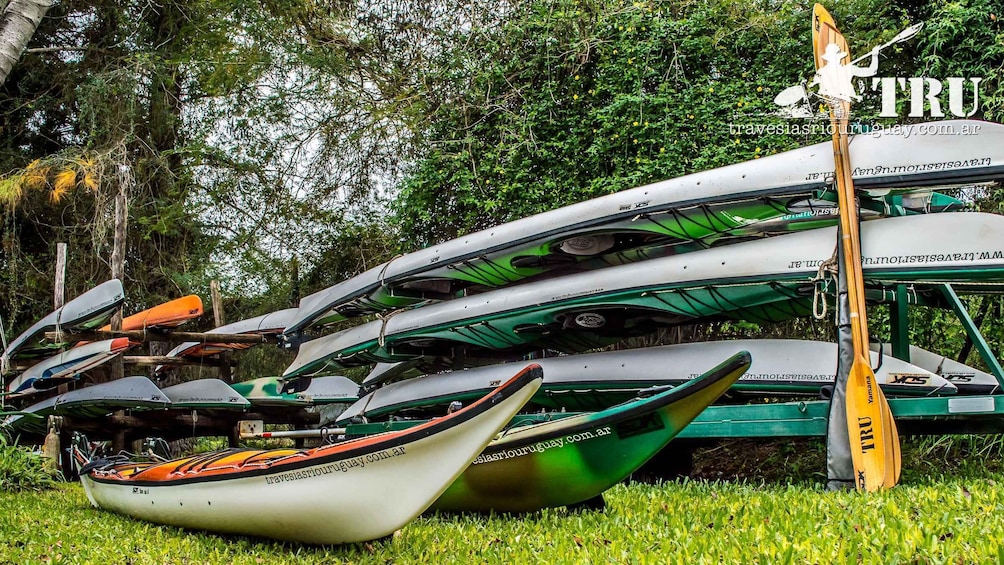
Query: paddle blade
(824,32)
(868,425)
(905,34)
(893,453)
(791,95)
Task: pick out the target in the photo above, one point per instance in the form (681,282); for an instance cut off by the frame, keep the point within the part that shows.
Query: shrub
(23,470)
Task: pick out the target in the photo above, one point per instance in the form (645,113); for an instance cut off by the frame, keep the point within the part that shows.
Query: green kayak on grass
(574,459)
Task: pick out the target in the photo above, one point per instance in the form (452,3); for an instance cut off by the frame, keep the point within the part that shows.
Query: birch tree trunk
(18,22)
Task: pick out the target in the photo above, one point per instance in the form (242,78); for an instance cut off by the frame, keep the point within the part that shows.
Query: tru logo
(927,93)
(835,80)
(866,434)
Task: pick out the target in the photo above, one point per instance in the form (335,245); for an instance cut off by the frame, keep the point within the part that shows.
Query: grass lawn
(937,515)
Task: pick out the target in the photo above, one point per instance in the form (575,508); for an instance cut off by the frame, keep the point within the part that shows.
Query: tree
(18,22)
(102,110)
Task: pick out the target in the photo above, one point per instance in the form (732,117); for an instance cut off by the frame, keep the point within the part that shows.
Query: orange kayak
(170,314)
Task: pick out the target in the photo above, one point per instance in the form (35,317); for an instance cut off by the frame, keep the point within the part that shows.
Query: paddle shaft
(859,324)
(850,229)
(870,423)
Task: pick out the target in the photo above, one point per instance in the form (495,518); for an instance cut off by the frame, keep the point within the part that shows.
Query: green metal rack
(934,415)
(921,416)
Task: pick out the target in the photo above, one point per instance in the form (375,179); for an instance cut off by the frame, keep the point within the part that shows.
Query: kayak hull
(88,311)
(66,366)
(968,380)
(273,391)
(170,314)
(266,325)
(596,381)
(574,459)
(343,493)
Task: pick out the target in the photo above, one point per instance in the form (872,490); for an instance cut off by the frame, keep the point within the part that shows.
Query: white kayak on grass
(347,492)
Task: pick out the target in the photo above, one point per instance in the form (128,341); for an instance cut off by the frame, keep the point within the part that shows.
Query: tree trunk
(18,23)
(59,293)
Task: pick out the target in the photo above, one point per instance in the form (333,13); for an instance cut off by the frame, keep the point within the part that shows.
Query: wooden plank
(153,335)
(116,369)
(294,287)
(214,292)
(119,243)
(220,319)
(154,360)
(59,292)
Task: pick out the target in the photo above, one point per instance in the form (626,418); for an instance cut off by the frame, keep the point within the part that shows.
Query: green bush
(23,470)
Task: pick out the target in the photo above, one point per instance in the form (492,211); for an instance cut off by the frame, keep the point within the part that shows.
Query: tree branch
(55,49)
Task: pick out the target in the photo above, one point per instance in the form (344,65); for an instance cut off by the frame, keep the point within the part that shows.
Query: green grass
(931,521)
(771,508)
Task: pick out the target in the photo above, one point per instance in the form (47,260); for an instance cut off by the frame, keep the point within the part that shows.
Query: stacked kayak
(88,311)
(775,194)
(272,323)
(66,366)
(170,314)
(274,391)
(205,394)
(966,379)
(597,381)
(747,280)
(130,393)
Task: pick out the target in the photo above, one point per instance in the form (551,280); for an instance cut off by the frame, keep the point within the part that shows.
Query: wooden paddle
(871,428)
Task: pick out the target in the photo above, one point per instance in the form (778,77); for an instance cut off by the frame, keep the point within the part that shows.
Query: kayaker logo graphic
(835,81)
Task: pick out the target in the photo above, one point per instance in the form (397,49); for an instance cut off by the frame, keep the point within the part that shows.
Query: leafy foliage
(99,107)
(23,470)
(575,99)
